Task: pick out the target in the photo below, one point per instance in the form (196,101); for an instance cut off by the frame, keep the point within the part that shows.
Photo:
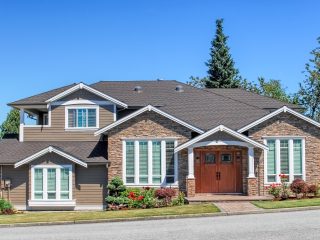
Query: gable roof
(50,149)
(251,98)
(145,109)
(89,89)
(13,151)
(220,128)
(198,107)
(284,109)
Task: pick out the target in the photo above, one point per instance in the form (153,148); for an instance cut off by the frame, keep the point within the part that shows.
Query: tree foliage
(272,88)
(11,124)
(309,93)
(221,72)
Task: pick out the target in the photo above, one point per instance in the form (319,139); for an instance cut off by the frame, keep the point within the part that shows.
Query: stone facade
(191,187)
(286,124)
(148,125)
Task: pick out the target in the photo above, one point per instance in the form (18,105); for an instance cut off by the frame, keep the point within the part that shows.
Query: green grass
(287,203)
(34,217)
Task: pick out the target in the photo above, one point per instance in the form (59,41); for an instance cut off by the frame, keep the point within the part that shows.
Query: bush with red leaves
(299,186)
(313,189)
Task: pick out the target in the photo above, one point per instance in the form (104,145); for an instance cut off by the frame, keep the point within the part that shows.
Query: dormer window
(82,117)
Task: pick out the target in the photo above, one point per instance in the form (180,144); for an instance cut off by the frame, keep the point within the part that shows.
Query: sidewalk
(237,207)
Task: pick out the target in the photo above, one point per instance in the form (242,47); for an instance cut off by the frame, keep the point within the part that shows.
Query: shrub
(116,187)
(313,189)
(6,207)
(179,201)
(299,186)
(117,198)
(275,190)
(165,195)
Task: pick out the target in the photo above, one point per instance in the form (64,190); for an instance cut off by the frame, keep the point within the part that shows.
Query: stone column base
(191,187)
(252,186)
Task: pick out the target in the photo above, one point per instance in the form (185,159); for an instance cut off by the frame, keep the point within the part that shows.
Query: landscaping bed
(36,217)
(292,203)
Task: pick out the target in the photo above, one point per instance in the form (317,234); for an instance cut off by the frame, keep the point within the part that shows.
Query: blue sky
(48,44)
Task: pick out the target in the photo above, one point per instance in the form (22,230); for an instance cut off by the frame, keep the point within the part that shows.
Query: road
(281,226)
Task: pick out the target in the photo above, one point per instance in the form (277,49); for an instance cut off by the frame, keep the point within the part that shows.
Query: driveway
(291,225)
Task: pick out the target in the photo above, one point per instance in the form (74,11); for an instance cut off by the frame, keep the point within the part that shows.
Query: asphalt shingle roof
(204,109)
(12,151)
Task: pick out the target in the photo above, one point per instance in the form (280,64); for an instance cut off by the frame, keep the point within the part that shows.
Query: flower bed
(120,197)
(6,207)
(296,190)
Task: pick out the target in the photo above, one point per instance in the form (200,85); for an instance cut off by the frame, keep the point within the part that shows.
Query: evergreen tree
(309,93)
(11,124)
(221,73)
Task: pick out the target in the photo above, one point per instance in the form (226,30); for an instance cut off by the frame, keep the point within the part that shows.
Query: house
(152,133)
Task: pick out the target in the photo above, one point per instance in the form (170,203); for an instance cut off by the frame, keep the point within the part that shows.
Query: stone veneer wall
(146,125)
(286,124)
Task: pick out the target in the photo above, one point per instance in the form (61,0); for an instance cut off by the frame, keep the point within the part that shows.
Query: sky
(49,44)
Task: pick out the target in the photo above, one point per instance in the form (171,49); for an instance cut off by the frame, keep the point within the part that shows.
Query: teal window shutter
(156,162)
(130,162)
(143,162)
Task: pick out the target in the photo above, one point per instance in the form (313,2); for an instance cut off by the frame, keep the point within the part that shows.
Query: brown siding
(82,94)
(19,184)
(286,124)
(151,125)
(91,185)
(57,130)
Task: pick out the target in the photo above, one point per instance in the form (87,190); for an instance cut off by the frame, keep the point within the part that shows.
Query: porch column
(21,127)
(190,163)
(251,162)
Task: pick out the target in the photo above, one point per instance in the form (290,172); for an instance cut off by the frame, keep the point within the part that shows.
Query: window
(86,117)
(149,162)
(226,158)
(285,155)
(51,182)
(210,158)
(45,119)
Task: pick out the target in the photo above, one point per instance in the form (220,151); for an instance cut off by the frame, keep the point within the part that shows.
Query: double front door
(218,171)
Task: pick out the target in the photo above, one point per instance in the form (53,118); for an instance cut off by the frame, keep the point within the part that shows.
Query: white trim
(96,107)
(90,207)
(81,101)
(90,89)
(176,165)
(44,116)
(145,109)
(220,128)
(21,126)
(45,201)
(278,158)
(114,112)
(280,110)
(150,166)
(50,149)
(251,171)
(49,115)
(221,143)
(51,203)
(190,163)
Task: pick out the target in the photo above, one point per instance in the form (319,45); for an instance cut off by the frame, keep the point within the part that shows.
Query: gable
(82,94)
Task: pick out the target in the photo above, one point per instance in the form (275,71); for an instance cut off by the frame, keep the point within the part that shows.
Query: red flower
(140,198)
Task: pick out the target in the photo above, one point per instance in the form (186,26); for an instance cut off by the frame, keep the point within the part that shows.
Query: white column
(21,128)
(251,162)
(190,163)
(150,162)
(176,168)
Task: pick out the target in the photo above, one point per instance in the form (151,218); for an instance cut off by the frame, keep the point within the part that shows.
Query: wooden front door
(218,171)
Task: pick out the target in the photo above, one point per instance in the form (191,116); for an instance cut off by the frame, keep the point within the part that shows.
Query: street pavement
(281,226)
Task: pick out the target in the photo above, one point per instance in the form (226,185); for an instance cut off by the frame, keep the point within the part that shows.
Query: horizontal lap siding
(57,130)
(19,184)
(91,185)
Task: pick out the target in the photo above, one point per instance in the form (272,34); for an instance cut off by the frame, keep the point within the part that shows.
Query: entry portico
(221,160)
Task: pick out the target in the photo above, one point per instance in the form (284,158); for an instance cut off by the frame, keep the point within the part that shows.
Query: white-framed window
(286,155)
(82,117)
(51,182)
(150,162)
(45,119)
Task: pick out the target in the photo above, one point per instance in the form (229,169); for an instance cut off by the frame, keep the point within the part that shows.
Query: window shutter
(130,162)
(143,161)
(156,162)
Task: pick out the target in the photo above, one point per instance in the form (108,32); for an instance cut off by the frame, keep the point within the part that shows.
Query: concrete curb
(218,214)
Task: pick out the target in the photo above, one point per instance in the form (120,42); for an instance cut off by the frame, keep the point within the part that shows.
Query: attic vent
(179,88)
(138,89)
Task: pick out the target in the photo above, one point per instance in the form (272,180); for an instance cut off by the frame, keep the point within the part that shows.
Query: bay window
(82,117)
(286,156)
(51,182)
(149,162)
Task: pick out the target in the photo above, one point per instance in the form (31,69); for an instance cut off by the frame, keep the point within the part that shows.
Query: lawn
(287,203)
(29,217)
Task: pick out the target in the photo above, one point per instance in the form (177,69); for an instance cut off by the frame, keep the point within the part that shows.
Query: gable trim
(50,149)
(145,109)
(220,128)
(284,109)
(90,89)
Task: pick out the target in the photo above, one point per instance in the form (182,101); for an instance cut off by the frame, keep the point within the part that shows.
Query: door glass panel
(210,158)
(226,158)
